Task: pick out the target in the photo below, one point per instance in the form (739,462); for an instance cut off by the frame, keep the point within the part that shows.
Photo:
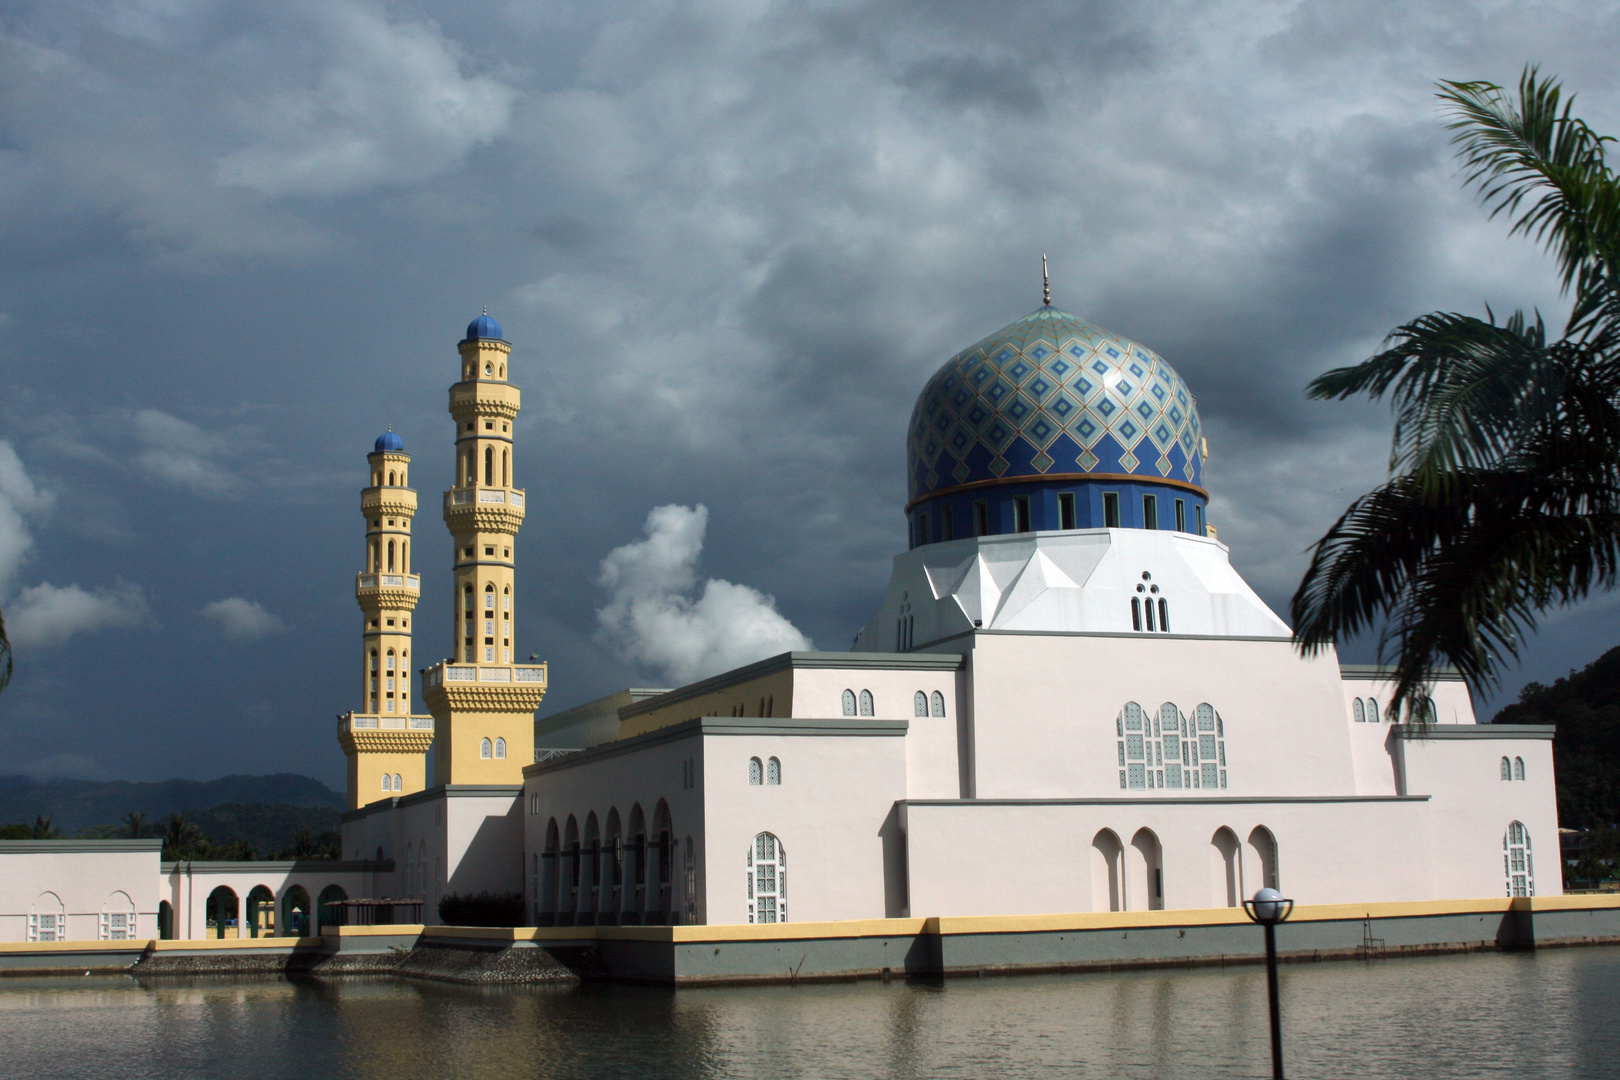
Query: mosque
(1066,701)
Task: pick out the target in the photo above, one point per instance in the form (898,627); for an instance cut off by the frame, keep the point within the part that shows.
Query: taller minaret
(483,703)
(385,744)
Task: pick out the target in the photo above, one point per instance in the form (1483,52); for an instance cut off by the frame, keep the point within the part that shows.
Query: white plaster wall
(1038,858)
(1473,807)
(84,882)
(1452,702)
(188,886)
(483,844)
(1044,709)
(834,814)
(818,692)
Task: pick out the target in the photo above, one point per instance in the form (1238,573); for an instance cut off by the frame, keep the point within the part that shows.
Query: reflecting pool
(1547,1014)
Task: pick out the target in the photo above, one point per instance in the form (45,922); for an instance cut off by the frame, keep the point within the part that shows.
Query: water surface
(1547,1014)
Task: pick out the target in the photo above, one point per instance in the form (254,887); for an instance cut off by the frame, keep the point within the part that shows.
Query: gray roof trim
(282,866)
(81,846)
(1386,673)
(1227,800)
(701,726)
(461,791)
(788,661)
(1099,634)
(1473,731)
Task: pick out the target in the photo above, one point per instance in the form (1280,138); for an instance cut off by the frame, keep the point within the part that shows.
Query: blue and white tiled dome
(1054,401)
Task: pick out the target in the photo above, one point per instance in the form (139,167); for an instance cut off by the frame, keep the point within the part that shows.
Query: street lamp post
(1268,908)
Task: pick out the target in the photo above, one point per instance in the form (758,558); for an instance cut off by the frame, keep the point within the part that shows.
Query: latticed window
(1359,709)
(919,702)
(1169,750)
(47,927)
(767,880)
(756,772)
(773,771)
(866,703)
(938,703)
(117,926)
(500,748)
(849,703)
(484,749)
(1507,769)
(1518,768)
(1516,861)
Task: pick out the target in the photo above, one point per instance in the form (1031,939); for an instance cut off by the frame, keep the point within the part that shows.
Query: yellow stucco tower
(483,703)
(386,745)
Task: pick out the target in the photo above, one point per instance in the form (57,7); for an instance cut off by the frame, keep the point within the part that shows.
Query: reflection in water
(1525,1015)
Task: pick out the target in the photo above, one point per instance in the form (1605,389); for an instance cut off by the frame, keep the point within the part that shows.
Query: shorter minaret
(386,745)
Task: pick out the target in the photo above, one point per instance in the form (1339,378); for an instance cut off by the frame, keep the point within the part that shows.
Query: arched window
(866,703)
(48,919)
(767,886)
(386,781)
(1360,711)
(938,703)
(1164,616)
(489,466)
(504,472)
(390,479)
(1226,886)
(849,703)
(1208,749)
(1263,853)
(1507,769)
(1518,768)
(500,749)
(399,783)
(1373,715)
(1136,613)
(1107,872)
(1516,861)
(404,556)
(118,918)
(773,771)
(756,772)
(484,749)
(919,703)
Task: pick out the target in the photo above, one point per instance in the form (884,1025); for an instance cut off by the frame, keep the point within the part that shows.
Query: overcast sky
(729,242)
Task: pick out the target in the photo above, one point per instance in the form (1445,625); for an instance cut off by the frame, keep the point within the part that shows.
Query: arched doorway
(1107,872)
(325,914)
(1146,889)
(165,920)
(1226,877)
(1263,853)
(261,912)
(221,912)
(295,911)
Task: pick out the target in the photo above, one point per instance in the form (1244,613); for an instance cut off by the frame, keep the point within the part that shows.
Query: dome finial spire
(1046,284)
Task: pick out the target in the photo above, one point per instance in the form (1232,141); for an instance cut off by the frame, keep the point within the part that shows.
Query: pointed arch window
(489,466)
(866,703)
(1359,709)
(1168,749)
(399,784)
(849,703)
(1517,862)
(1507,769)
(484,749)
(767,880)
(1518,768)
(773,771)
(500,749)
(919,703)
(938,703)
(756,772)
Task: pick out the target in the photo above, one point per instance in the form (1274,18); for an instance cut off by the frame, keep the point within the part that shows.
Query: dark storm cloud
(730,241)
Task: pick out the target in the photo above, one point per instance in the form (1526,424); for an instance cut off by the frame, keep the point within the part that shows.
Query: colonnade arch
(612,874)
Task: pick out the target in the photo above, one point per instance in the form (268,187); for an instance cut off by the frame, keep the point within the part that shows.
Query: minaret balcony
(484,687)
(369,733)
(485,509)
(388,501)
(386,588)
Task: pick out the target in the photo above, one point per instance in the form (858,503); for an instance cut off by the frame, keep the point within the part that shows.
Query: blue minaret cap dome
(388,441)
(484,327)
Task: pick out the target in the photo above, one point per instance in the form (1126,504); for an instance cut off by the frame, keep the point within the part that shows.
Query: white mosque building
(1067,701)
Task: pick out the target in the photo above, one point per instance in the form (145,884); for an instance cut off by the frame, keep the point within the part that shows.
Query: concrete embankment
(876,948)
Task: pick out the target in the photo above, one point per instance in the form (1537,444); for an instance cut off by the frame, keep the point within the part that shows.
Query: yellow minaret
(483,702)
(386,745)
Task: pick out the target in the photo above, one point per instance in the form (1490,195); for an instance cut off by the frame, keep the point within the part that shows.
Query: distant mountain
(79,804)
(1585,705)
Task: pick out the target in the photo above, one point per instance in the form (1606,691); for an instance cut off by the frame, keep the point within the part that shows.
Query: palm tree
(137,825)
(1504,498)
(42,829)
(181,838)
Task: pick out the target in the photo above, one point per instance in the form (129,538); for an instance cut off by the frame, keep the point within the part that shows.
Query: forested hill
(80,804)
(1586,754)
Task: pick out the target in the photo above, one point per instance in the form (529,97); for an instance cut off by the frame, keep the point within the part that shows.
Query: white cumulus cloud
(653,618)
(44,616)
(19,498)
(243,619)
